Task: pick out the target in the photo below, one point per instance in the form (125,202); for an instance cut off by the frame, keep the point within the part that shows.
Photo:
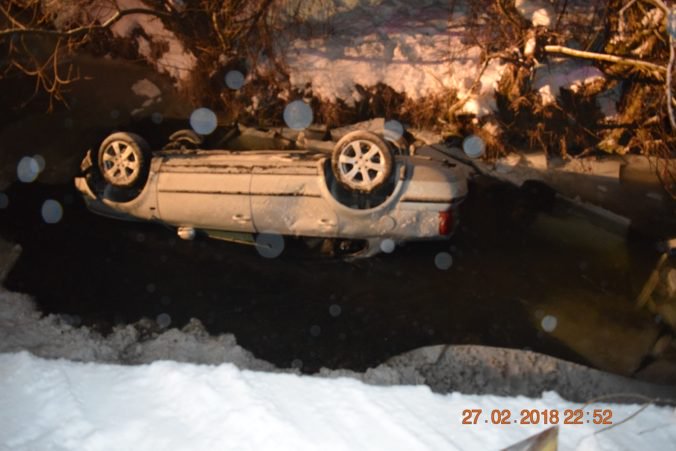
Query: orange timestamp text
(538,416)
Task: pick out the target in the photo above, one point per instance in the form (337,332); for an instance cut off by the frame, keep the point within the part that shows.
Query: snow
(102,393)
(54,336)
(176,61)
(538,12)
(149,91)
(563,73)
(413,48)
(146,88)
(58,404)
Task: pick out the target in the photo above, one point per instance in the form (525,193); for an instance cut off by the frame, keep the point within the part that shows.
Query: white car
(361,198)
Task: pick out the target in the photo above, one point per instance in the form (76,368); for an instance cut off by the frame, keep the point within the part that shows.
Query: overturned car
(358,198)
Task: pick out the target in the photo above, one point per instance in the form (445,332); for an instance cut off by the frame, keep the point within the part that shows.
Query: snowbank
(168,405)
(538,12)
(22,327)
(175,60)
(567,74)
(416,48)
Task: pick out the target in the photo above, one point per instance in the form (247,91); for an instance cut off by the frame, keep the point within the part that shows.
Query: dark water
(527,273)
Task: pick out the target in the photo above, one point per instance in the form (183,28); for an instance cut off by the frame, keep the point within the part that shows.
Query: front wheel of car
(123,160)
(361,161)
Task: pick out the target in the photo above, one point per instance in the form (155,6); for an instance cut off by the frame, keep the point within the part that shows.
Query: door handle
(241,218)
(326,222)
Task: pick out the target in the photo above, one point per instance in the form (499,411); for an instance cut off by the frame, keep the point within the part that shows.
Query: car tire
(124,160)
(361,161)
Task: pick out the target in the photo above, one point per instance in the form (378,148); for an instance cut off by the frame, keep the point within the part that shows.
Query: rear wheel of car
(361,161)
(123,160)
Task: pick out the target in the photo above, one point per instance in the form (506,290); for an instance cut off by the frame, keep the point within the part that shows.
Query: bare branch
(670,70)
(20,29)
(559,49)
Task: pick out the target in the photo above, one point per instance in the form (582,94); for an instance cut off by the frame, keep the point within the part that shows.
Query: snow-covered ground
(424,48)
(58,404)
(145,387)
(417,48)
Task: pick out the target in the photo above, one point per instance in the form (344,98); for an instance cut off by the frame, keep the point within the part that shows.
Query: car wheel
(123,159)
(361,161)
(184,139)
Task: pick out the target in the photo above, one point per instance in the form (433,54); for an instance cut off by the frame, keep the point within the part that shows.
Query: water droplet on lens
(315,331)
(393,130)
(234,79)
(52,212)
(165,300)
(549,323)
(387,245)
(4,201)
(443,261)
(156,118)
(269,245)
(40,160)
(27,170)
(298,115)
(474,146)
(297,363)
(114,114)
(150,288)
(203,121)
(163,320)
(335,310)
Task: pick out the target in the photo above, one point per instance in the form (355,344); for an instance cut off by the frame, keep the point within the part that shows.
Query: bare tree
(39,37)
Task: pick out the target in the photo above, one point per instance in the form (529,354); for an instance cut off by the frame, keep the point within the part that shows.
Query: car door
(286,196)
(205,190)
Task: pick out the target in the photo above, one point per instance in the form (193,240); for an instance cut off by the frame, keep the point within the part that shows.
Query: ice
(203,121)
(27,170)
(52,212)
(298,115)
(443,261)
(234,79)
(473,146)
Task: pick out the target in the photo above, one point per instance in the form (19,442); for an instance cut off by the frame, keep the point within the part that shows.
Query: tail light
(446,222)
